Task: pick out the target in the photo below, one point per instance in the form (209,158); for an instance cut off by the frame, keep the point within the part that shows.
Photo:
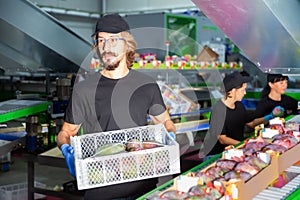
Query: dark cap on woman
(235,80)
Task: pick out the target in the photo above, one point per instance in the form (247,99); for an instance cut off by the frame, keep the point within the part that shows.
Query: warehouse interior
(187,46)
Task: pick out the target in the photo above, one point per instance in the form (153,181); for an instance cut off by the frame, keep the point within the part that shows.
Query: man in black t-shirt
(103,104)
(115,98)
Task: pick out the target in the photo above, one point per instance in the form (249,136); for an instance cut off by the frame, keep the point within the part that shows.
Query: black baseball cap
(276,77)
(112,23)
(235,80)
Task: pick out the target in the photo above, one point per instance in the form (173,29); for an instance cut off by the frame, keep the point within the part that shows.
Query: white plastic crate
(124,167)
(18,191)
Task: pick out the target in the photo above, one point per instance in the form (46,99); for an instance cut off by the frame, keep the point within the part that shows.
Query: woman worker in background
(273,96)
(228,117)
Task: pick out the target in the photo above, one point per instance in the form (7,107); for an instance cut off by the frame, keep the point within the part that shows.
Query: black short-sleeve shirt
(103,104)
(226,121)
(266,105)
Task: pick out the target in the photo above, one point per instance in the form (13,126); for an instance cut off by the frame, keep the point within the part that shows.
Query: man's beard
(112,65)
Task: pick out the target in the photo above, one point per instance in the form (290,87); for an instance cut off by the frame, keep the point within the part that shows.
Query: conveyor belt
(283,192)
(193,113)
(198,112)
(198,127)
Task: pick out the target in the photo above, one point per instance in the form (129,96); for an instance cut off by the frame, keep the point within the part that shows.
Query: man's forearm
(256,122)
(170,126)
(228,141)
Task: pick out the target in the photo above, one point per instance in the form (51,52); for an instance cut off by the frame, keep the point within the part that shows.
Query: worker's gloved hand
(278,111)
(268,117)
(168,139)
(68,153)
(172,134)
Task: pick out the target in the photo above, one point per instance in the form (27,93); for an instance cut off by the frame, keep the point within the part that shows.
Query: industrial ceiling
(32,41)
(267,31)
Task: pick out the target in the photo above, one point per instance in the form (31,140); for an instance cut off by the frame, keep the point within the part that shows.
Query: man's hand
(68,153)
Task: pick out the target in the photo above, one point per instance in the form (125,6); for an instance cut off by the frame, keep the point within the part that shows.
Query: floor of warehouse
(51,176)
(13,180)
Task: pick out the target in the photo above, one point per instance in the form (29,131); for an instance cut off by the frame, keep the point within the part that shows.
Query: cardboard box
(288,158)
(247,190)
(207,54)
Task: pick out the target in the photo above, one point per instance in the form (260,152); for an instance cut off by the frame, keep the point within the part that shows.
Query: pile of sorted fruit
(212,179)
(130,146)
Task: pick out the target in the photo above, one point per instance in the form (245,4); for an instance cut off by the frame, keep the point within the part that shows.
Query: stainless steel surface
(33,41)
(15,104)
(266,30)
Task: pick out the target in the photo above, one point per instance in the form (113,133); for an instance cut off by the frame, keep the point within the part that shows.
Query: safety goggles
(112,41)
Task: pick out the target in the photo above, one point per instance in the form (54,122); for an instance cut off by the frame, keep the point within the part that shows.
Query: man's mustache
(108,53)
